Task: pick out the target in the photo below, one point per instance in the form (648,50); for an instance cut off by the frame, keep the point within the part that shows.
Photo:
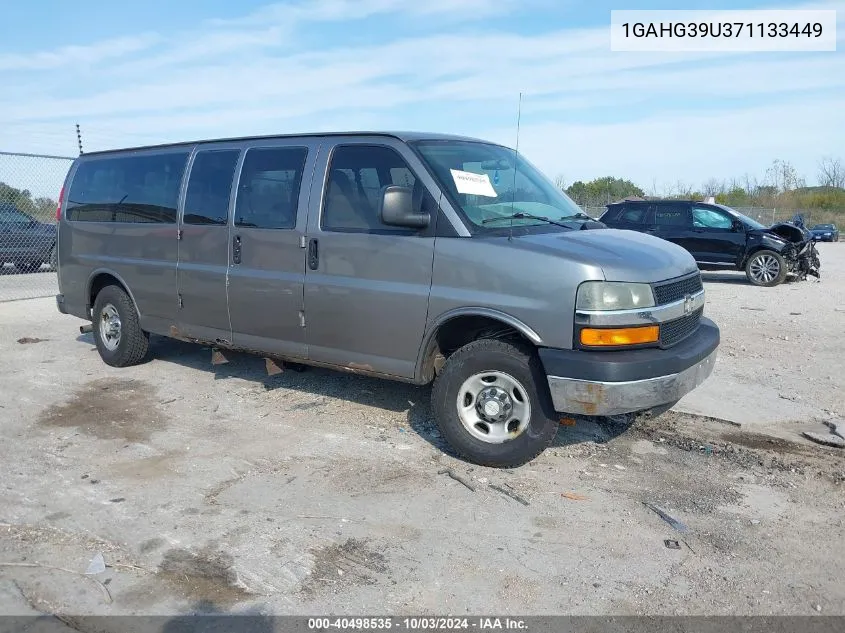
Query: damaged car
(721,238)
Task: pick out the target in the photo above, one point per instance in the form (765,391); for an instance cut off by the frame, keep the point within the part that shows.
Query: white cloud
(77,55)
(262,74)
(690,147)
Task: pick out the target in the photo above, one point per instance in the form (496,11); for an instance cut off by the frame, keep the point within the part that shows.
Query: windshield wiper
(579,215)
(526,216)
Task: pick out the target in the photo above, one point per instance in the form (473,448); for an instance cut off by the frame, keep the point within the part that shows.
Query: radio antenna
(515,164)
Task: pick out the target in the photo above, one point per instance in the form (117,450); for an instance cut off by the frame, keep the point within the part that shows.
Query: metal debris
(673,522)
(828,440)
(458,478)
(97,565)
(672,543)
(217,357)
(573,496)
(273,367)
(510,494)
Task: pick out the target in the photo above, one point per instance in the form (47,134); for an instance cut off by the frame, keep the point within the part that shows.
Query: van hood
(622,255)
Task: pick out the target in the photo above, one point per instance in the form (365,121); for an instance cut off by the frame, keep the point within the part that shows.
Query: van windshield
(488,181)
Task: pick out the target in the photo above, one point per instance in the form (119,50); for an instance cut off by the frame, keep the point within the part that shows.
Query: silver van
(414,257)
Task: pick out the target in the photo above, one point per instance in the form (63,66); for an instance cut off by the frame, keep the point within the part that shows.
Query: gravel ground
(217,488)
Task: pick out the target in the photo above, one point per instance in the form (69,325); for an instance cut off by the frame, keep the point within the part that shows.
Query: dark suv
(720,238)
(24,241)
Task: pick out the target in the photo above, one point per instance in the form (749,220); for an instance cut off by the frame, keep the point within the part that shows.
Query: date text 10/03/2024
(418,624)
(722,29)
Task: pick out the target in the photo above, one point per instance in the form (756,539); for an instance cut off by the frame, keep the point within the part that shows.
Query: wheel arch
(99,279)
(756,249)
(455,328)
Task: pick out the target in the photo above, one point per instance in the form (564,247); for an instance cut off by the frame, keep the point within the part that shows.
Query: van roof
(402,136)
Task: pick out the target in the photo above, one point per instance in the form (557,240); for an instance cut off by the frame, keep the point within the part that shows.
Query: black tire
(54,257)
(515,360)
(133,343)
(770,258)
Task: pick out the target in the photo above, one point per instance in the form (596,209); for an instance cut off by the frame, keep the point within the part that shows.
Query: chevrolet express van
(415,257)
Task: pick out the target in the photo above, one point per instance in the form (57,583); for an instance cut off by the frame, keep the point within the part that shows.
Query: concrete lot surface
(217,488)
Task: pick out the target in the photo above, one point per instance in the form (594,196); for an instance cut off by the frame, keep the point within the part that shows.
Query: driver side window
(357,175)
(704,217)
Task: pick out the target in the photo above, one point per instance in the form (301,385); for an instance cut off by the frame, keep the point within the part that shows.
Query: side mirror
(396,208)
(738,226)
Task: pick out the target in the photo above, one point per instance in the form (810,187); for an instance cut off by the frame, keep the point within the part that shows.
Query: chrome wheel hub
(765,268)
(493,407)
(110,327)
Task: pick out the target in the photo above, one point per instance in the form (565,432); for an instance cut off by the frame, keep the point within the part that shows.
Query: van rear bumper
(613,383)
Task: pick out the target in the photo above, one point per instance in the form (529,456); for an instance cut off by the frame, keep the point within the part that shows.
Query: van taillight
(59,205)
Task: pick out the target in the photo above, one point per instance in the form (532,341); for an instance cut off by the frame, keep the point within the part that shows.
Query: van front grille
(667,292)
(673,332)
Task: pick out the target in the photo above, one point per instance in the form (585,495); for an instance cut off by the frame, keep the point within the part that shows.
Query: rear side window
(633,215)
(268,192)
(210,186)
(133,189)
(672,215)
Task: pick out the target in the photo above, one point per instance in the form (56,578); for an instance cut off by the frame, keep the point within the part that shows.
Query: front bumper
(613,383)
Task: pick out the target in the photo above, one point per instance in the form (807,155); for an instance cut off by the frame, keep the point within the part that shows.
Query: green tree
(603,190)
(41,208)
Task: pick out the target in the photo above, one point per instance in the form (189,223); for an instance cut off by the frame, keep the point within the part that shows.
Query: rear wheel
(766,268)
(117,330)
(54,257)
(492,405)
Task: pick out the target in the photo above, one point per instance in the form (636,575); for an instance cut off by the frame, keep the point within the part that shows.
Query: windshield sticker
(473,184)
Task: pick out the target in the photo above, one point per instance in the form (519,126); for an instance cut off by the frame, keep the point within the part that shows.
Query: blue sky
(160,71)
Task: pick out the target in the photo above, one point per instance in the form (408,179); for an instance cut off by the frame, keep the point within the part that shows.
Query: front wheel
(766,268)
(492,405)
(117,330)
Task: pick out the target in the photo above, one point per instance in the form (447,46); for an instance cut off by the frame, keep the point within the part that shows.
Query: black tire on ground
(54,257)
(519,361)
(762,259)
(133,343)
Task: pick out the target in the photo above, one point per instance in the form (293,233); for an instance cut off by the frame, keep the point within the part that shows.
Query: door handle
(313,254)
(236,249)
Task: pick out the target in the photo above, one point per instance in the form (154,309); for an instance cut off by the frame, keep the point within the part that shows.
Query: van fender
(90,284)
(491,313)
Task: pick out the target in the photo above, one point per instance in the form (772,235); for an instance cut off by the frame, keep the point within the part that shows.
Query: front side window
(489,182)
(268,192)
(704,217)
(357,175)
(142,188)
(209,187)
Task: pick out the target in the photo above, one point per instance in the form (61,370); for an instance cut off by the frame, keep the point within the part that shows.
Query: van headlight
(613,295)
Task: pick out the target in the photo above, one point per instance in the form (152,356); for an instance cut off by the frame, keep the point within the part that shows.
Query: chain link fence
(29,189)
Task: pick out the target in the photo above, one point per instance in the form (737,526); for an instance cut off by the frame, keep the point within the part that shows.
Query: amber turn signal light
(620,336)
